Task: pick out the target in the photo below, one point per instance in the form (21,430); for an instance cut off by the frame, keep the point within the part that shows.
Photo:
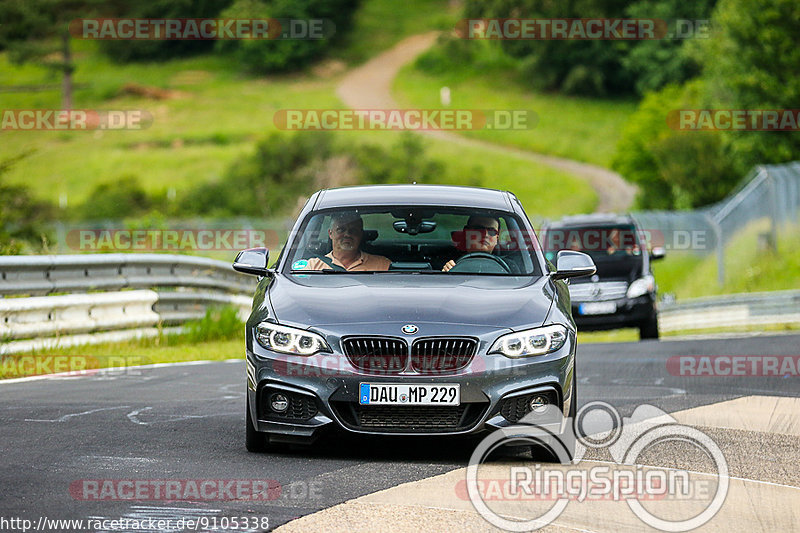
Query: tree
(38,31)
(655,63)
(264,56)
(590,67)
(751,63)
(674,169)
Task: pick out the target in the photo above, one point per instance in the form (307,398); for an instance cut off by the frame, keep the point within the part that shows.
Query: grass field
(747,269)
(215,116)
(585,129)
(122,354)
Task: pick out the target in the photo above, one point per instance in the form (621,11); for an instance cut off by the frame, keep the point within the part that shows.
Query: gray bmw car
(408,310)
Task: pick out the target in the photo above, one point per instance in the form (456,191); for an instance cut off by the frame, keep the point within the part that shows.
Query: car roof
(448,195)
(592,219)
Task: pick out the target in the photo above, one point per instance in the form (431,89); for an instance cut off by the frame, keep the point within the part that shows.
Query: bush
(219,323)
(22,217)
(122,198)
(265,183)
(285,169)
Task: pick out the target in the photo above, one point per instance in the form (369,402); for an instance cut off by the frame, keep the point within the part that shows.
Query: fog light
(538,404)
(279,403)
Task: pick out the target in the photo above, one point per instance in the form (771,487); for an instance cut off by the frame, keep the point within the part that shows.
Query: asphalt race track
(186,422)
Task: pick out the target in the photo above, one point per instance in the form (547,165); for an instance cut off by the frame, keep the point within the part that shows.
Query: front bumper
(323,392)
(631,312)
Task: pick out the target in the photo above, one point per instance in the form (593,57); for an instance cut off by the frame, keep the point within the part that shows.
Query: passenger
(346,233)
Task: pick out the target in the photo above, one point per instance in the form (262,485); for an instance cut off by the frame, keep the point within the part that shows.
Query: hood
(479,302)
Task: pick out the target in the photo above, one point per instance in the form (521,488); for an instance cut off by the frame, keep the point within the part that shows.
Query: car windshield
(615,248)
(429,240)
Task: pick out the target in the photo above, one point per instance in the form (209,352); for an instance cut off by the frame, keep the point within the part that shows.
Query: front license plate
(409,394)
(598,308)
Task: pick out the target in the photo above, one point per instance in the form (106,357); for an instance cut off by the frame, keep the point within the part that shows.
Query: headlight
(642,286)
(289,340)
(537,341)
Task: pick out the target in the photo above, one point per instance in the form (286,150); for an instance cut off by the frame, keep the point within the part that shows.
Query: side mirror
(657,253)
(253,261)
(571,264)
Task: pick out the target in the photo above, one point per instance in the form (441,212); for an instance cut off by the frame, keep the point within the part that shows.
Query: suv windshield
(430,240)
(615,248)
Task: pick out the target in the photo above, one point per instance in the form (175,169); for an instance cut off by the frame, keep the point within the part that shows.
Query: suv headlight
(537,341)
(642,286)
(289,340)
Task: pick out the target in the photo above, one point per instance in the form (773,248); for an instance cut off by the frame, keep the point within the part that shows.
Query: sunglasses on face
(492,232)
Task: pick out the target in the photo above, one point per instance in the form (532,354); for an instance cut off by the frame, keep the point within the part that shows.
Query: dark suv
(623,291)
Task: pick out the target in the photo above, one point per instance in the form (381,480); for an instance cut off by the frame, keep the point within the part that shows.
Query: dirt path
(370,87)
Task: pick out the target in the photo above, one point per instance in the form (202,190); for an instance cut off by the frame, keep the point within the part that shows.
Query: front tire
(561,449)
(649,328)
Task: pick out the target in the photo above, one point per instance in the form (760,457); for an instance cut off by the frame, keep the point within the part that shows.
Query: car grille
(598,292)
(410,417)
(431,356)
(378,355)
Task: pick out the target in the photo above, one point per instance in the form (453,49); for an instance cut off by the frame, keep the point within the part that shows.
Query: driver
(346,233)
(480,234)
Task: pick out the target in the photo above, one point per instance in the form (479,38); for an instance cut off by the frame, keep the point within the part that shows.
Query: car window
(418,240)
(615,248)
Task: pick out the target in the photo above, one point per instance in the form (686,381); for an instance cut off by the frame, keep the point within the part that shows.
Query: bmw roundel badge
(410,329)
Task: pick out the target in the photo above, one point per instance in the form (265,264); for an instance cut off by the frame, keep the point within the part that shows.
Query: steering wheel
(499,266)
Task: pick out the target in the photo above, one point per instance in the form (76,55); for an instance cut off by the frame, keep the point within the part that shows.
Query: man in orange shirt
(346,233)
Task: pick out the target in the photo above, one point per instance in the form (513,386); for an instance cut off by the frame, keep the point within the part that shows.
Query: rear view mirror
(413,227)
(571,264)
(253,261)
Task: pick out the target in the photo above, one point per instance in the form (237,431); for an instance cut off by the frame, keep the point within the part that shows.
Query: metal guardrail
(189,285)
(40,322)
(732,310)
(37,275)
